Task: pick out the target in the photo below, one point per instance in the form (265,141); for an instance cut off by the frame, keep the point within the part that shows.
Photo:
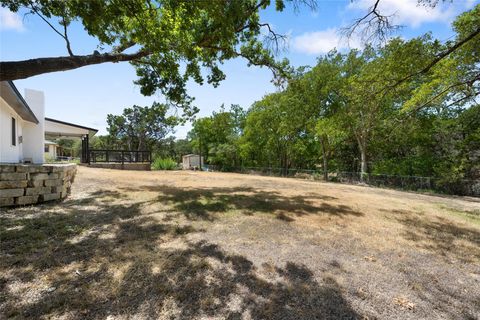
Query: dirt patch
(194,245)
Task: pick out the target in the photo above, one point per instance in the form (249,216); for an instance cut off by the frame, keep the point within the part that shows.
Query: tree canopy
(138,127)
(169,42)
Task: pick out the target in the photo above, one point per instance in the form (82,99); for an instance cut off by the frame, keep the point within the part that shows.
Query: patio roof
(57,128)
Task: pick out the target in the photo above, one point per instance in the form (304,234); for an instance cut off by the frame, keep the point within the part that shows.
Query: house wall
(8,152)
(34,134)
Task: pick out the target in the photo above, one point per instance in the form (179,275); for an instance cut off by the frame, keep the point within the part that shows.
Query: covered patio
(56,129)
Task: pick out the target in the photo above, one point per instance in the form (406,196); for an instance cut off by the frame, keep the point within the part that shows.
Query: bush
(164,164)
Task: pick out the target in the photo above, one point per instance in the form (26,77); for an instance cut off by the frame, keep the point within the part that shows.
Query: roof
(71,124)
(191,155)
(58,128)
(10,94)
(50,142)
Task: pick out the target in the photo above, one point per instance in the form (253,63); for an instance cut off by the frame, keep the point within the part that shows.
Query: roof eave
(19,104)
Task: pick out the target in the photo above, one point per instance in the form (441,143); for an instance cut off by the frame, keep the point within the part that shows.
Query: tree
(138,127)
(217,137)
(169,42)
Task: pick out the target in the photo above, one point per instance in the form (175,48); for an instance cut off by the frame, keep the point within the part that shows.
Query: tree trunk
(325,159)
(14,70)
(362,146)
(363,163)
(200,151)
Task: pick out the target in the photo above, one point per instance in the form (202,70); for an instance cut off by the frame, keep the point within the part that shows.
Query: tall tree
(139,126)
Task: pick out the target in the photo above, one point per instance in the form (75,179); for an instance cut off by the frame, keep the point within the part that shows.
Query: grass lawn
(194,245)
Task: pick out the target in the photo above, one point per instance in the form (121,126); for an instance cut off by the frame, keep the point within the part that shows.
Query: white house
(24,128)
(21,124)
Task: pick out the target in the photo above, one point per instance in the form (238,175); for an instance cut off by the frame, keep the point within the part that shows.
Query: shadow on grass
(442,236)
(113,260)
(204,203)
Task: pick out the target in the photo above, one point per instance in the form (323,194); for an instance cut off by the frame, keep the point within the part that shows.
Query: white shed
(191,161)
(51,150)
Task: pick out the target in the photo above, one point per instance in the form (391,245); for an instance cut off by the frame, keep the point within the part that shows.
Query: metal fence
(415,183)
(119,156)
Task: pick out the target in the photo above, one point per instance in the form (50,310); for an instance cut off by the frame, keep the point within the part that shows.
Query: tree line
(404,108)
(393,109)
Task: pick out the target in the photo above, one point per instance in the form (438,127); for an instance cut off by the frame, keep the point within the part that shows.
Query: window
(46,148)
(14,132)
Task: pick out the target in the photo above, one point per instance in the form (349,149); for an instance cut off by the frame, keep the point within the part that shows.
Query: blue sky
(86,95)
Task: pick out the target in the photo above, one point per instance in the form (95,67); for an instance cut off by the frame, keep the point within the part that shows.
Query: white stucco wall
(34,134)
(8,152)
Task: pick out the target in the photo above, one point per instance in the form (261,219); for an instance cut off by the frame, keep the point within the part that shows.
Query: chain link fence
(462,187)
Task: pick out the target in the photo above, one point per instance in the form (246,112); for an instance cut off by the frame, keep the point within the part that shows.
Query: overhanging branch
(13,70)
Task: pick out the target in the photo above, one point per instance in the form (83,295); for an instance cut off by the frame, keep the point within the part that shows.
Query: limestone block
(6,193)
(13,184)
(35,183)
(52,183)
(7,202)
(58,189)
(49,196)
(7,168)
(29,168)
(39,176)
(13,176)
(37,191)
(26,200)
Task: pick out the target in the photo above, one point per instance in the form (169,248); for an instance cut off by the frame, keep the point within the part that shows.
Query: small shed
(51,149)
(191,161)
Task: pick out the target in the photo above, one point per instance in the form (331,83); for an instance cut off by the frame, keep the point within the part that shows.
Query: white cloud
(10,20)
(408,12)
(319,42)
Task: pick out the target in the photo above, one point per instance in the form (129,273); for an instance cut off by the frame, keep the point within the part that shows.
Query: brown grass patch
(184,245)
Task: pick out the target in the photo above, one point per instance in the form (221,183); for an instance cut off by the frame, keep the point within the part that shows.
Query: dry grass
(185,245)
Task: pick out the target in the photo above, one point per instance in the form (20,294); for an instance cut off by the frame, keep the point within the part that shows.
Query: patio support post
(87,148)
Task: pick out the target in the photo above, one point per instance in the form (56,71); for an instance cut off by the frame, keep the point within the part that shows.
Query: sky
(86,95)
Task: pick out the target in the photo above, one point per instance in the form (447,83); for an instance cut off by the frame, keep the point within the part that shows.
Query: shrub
(164,164)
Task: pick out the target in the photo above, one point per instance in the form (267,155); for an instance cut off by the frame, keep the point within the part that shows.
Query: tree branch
(376,25)
(64,36)
(69,49)
(13,70)
(438,58)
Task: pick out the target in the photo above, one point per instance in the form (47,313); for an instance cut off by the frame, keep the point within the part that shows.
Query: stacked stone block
(22,184)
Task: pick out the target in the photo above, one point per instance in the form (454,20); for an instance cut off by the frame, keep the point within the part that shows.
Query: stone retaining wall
(22,184)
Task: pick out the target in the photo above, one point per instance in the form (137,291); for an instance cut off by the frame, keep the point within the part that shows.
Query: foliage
(164,164)
(172,41)
(368,111)
(138,127)
(216,138)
